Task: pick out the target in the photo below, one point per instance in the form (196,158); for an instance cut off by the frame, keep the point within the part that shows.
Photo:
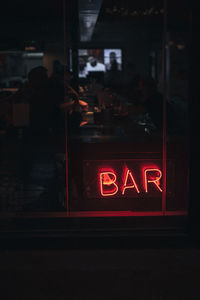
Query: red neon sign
(109,184)
(134,185)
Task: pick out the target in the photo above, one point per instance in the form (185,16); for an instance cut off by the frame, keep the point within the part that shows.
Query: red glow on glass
(128,175)
(125,213)
(152,176)
(108,179)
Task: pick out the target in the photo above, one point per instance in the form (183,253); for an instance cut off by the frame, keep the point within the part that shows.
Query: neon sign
(127,178)
(109,185)
(131,185)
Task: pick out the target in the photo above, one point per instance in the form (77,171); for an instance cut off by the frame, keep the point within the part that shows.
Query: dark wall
(137,40)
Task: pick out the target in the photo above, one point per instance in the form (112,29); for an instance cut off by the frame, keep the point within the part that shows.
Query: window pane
(94,107)
(31,122)
(115,133)
(178,37)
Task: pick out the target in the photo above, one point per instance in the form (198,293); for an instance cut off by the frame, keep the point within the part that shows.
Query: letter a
(131,186)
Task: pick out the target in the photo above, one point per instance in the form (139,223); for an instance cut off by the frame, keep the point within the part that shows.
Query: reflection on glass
(32,166)
(122,85)
(81,123)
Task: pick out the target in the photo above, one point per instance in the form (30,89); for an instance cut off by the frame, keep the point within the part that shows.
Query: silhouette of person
(153,104)
(113,65)
(82,68)
(67,99)
(42,104)
(37,94)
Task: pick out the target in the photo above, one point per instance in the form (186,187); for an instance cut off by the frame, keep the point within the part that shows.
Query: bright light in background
(35,54)
(30,48)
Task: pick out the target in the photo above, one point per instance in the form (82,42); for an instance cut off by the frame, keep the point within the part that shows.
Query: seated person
(41,104)
(82,68)
(151,103)
(94,65)
(71,104)
(61,86)
(151,100)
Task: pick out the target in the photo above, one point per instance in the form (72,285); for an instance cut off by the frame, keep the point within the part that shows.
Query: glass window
(177,96)
(124,143)
(31,121)
(94,109)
